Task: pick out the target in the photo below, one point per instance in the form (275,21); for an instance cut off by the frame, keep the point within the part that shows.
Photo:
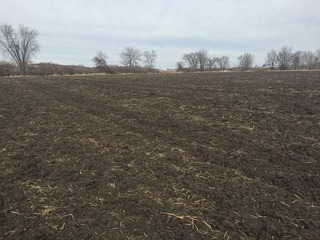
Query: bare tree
(211,63)
(296,60)
(6,68)
(20,45)
(131,57)
(180,66)
(100,60)
(202,56)
(245,61)
(271,59)
(318,56)
(223,62)
(284,58)
(150,59)
(192,60)
(310,59)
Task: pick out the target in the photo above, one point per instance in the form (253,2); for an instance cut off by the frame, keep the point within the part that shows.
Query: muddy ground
(162,156)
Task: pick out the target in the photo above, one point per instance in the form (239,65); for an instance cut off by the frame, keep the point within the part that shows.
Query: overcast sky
(72,31)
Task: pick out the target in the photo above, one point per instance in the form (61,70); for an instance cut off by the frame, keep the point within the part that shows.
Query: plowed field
(161,156)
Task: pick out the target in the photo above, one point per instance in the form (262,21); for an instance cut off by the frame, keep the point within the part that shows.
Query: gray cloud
(72,31)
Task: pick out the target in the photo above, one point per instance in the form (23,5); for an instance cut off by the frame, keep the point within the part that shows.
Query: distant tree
(6,68)
(271,59)
(296,60)
(192,60)
(150,59)
(211,63)
(284,58)
(202,56)
(245,61)
(318,56)
(223,62)
(310,59)
(130,57)
(180,66)
(100,61)
(20,45)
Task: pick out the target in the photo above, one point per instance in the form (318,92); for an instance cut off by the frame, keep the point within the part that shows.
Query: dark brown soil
(167,156)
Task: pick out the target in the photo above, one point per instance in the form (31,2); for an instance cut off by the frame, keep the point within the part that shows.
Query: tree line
(286,59)
(21,45)
(130,58)
(201,61)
